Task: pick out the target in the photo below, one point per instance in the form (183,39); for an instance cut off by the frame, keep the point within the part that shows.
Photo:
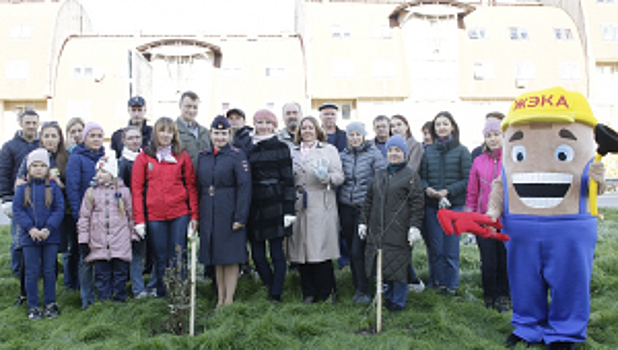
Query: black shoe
(273,297)
(489,302)
(21,300)
(392,307)
(502,304)
(561,345)
(51,310)
(513,340)
(35,313)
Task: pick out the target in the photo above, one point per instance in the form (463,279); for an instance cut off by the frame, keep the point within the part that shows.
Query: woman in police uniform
(224,185)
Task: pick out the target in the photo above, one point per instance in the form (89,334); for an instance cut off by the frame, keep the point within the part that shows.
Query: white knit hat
(109,164)
(38,155)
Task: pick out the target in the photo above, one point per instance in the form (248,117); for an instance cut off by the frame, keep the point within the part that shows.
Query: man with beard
(291,115)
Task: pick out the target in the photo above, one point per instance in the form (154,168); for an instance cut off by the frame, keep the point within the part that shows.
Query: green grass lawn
(430,320)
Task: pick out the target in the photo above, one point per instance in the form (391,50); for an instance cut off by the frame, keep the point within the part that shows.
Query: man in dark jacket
(137,111)
(242,133)
(11,156)
(335,136)
(292,114)
(194,137)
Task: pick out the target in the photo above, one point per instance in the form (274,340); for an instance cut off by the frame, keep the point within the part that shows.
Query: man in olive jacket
(194,137)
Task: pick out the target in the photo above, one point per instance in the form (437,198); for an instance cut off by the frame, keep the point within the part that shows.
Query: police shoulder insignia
(234,149)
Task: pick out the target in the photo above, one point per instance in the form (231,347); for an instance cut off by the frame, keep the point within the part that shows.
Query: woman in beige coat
(315,239)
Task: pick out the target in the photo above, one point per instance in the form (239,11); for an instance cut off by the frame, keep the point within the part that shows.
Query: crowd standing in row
(300,191)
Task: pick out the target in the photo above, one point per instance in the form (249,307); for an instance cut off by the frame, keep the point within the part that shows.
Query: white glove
(288,220)
(321,169)
(362,231)
(414,235)
(140,229)
(444,203)
(191,234)
(7,208)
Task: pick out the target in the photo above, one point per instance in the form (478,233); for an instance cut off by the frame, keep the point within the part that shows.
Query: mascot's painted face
(544,163)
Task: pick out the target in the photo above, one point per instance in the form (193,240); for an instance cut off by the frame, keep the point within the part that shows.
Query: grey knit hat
(356,126)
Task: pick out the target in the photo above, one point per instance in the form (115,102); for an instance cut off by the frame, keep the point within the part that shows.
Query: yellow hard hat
(555,105)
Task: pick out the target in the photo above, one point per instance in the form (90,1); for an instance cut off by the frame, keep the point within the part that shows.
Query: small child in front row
(105,230)
(38,209)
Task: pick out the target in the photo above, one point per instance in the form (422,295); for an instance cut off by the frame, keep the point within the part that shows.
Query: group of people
(299,191)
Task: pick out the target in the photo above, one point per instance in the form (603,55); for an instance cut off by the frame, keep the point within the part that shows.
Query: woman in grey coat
(391,220)
(315,238)
(360,161)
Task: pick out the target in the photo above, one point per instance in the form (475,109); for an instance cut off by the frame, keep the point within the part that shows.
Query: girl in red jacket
(163,175)
(485,169)
(105,230)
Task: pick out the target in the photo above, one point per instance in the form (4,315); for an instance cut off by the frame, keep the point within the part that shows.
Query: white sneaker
(416,287)
(142,294)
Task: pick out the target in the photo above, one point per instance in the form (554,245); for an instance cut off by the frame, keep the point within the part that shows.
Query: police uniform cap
(237,111)
(220,123)
(137,101)
(328,105)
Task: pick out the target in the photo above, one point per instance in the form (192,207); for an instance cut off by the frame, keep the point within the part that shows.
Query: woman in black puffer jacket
(444,171)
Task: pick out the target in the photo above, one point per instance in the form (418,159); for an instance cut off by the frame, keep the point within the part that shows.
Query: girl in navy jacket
(38,208)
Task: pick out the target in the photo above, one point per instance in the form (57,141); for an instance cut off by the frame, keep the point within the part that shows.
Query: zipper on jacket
(354,180)
(109,255)
(33,201)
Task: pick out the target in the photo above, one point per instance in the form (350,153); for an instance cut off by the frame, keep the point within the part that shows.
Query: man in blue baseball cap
(137,113)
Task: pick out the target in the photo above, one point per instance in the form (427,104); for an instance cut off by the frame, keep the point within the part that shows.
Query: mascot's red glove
(460,222)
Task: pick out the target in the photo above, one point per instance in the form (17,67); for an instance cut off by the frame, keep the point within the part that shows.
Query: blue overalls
(550,253)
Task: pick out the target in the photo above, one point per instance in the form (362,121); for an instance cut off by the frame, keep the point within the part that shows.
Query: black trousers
(317,279)
(493,268)
(349,217)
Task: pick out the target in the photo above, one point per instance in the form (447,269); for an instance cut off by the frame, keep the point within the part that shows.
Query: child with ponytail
(105,229)
(38,208)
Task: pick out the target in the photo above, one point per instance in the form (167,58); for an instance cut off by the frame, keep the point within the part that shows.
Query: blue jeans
(111,279)
(444,257)
(273,279)
(138,250)
(396,293)
(15,251)
(33,257)
(86,281)
(165,237)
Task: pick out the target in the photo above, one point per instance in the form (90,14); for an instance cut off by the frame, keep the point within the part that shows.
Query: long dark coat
(273,189)
(224,185)
(394,203)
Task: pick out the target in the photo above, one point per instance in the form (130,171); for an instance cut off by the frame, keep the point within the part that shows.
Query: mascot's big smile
(542,190)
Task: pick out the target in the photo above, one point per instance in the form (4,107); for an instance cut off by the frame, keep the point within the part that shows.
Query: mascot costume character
(546,198)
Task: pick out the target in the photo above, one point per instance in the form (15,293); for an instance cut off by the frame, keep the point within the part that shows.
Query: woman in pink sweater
(485,169)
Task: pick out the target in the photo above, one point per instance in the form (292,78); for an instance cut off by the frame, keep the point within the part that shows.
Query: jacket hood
(82,150)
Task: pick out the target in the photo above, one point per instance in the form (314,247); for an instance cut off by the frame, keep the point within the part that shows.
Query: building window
(524,70)
(570,71)
(341,31)
(609,32)
(231,72)
(605,1)
(343,68)
(17,70)
(483,70)
(275,72)
(225,106)
(383,69)
(518,33)
(563,34)
(270,106)
(83,72)
(477,33)
(381,31)
(346,111)
(21,31)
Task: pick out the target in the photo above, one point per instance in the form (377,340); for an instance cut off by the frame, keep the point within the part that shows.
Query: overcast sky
(191,16)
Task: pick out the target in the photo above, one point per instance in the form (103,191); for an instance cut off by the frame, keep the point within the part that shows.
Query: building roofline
(463,8)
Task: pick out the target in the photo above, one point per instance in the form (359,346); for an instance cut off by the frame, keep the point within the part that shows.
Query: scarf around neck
(165,154)
(128,154)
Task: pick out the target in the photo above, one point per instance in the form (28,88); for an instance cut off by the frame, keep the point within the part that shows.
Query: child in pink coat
(485,169)
(105,229)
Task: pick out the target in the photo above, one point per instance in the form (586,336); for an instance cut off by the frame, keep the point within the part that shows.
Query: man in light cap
(334,135)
